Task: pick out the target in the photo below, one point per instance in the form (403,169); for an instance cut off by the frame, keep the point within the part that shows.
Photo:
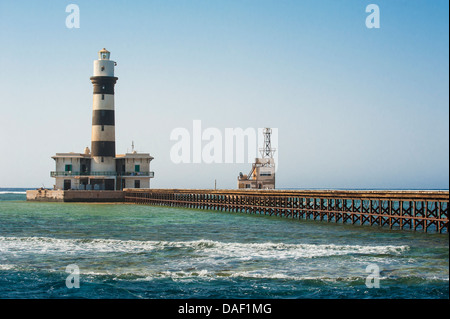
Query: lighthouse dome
(103,54)
(104,66)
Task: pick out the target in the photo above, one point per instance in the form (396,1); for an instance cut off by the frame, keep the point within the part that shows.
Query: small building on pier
(262,174)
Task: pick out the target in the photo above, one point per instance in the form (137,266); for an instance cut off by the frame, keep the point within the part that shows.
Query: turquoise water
(134,251)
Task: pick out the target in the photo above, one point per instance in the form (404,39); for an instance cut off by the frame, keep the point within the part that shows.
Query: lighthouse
(100,168)
(103,141)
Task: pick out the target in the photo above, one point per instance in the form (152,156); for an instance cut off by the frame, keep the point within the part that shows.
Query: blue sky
(354,107)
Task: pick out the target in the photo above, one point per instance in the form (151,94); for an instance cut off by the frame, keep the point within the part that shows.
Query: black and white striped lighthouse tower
(101,168)
(103,145)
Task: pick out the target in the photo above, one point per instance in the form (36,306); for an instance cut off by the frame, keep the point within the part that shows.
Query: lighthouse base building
(99,168)
(73,172)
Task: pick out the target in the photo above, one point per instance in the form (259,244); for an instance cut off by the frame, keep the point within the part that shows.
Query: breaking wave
(48,245)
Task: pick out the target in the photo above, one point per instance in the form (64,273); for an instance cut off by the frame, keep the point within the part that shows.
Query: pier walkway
(416,210)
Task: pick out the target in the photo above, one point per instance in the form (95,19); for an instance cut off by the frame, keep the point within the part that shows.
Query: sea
(121,251)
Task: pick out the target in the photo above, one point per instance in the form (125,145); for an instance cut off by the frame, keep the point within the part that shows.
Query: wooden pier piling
(416,210)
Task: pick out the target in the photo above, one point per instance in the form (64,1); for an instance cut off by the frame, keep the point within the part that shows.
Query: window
(103,96)
(137,168)
(103,159)
(137,184)
(103,128)
(68,168)
(67,184)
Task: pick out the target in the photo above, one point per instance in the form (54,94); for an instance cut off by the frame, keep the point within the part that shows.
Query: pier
(425,211)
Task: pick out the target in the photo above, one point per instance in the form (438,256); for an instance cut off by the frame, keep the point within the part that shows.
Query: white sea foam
(7,267)
(260,274)
(212,260)
(209,248)
(12,192)
(54,245)
(266,274)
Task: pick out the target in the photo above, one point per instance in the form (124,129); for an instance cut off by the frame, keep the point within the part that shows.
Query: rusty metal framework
(415,210)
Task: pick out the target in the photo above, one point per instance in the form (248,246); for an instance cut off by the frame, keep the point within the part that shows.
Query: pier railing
(416,210)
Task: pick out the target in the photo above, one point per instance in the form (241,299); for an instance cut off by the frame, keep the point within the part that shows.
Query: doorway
(67,184)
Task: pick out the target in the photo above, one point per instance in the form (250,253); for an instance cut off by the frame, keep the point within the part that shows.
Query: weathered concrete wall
(129,182)
(62,162)
(46,195)
(94,196)
(59,182)
(138,159)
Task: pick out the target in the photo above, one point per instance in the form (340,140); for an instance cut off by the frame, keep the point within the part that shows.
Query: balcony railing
(70,173)
(149,174)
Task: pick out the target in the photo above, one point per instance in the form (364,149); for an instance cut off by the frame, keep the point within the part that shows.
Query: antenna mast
(267,150)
